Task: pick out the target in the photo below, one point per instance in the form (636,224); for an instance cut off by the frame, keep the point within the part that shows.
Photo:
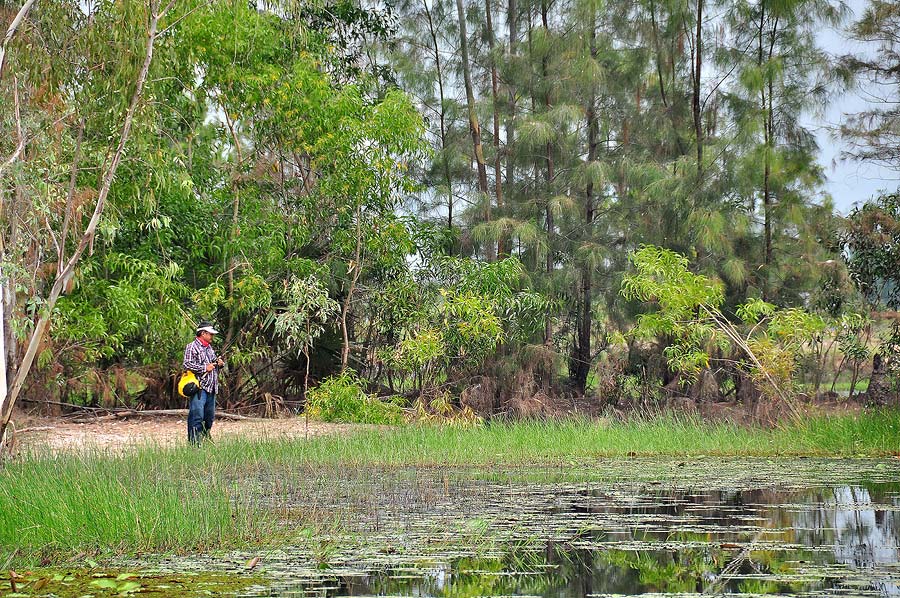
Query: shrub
(342,399)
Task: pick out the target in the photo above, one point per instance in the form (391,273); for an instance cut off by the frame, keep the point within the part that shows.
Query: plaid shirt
(196,356)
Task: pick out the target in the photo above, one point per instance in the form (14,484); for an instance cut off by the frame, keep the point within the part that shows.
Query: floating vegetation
(650,527)
(617,527)
(81,582)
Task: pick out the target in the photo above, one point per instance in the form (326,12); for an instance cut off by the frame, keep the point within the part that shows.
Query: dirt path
(59,434)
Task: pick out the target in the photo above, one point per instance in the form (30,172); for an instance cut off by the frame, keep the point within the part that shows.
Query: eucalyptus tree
(262,146)
(307,311)
(328,156)
(63,63)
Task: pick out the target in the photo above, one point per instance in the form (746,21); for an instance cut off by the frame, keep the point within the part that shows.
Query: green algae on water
(76,583)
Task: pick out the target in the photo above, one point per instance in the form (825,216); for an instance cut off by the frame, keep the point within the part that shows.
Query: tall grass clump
(560,441)
(151,499)
(538,441)
(870,433)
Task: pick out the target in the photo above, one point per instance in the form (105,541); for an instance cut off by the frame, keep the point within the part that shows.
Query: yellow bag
(188,385)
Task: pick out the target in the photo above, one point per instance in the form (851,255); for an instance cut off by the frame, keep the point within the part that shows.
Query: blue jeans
(201,412)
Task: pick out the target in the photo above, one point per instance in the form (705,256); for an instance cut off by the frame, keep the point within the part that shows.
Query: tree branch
(21,136)
(11,31)
(73,176)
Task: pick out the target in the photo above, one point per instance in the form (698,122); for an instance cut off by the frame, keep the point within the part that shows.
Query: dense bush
(341,398)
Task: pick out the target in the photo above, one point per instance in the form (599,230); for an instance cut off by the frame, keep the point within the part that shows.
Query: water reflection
(861,527)
(583,539)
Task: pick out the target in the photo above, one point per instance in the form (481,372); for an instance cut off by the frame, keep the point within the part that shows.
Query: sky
(849,182)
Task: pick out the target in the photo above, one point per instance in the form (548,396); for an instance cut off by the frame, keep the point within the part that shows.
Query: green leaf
(109,584)
(129,587)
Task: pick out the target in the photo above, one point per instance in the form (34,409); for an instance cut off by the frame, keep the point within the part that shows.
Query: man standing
(200,358)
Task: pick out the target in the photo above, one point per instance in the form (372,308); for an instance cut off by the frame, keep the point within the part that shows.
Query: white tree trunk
(11,31)
(63,277)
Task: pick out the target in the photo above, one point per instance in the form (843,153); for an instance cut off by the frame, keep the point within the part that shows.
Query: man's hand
(220,363)
(210,367)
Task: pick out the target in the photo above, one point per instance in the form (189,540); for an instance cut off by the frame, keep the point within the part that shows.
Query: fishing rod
(224,349)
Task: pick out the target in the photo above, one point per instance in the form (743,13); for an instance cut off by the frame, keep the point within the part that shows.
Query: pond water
(623,528)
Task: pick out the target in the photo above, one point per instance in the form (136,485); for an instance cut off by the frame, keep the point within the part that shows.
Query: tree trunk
(3,389)
(582,349)
(498,177)
(879,390)
(235,211)
(853,378)
(11,31)
(62,278)
(445,161)
(770,147)
(512,20)
(548,332)
(355,267)
(10,210)
(305,398)
(769,143)
(698,61)
(474,128)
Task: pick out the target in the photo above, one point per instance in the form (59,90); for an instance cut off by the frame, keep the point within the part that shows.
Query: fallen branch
(68,405)
(35,429)
(126,413)
(111,413)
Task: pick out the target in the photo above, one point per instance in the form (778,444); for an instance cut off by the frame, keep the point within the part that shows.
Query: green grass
(844,386)
(156,499)
(152,499)
(868,434)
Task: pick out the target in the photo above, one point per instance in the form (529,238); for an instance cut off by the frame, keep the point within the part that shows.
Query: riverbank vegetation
(524,209)
(240,492)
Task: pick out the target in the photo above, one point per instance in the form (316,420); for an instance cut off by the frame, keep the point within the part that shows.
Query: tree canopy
(426,198)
